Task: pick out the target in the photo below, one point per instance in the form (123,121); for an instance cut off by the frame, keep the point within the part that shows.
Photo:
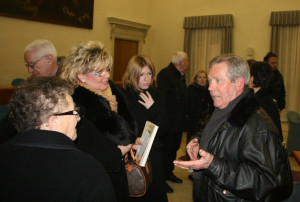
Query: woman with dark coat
(107,129)
(261,77)
(42,162)
(200,105)
(146,105)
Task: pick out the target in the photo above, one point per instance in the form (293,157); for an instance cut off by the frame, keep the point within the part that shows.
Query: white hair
(41,47)
(178,57)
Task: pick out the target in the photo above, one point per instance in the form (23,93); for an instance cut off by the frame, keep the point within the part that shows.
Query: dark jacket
(200,107)
(157,115)
(41,165)
(267,103)
(101,130)
(278,89)
(245,149)
(171,84)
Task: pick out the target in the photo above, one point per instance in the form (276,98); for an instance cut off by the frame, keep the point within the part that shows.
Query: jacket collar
(173,68)
(44,139)
(244,108)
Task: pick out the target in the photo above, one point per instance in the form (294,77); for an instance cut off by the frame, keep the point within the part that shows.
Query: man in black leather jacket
(236,157)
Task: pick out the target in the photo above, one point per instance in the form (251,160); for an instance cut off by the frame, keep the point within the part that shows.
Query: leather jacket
(245,150)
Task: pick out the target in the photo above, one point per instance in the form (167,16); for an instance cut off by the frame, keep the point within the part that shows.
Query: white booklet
(147,138)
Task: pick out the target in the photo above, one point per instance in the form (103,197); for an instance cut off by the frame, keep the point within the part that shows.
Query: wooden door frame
(127,30)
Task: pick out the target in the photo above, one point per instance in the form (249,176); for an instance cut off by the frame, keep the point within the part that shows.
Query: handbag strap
(127,156)
(132,154)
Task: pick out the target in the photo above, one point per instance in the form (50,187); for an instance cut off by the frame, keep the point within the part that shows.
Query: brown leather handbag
(139,178)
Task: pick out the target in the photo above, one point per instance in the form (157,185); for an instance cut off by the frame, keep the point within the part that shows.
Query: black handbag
(139,178)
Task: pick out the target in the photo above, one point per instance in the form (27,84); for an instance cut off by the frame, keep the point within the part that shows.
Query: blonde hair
(83,58)
(197,74)
(133,71)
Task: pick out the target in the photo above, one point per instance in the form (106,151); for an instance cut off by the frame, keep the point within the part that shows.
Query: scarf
(106,94)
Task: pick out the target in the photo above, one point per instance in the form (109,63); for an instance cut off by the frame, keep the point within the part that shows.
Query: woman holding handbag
(146,105)
(107,129)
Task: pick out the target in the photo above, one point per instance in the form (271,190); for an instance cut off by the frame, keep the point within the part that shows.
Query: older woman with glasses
(107,129)
(42,163)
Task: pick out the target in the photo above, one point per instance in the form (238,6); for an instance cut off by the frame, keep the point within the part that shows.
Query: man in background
(40,57)
(277,84)
(171,83)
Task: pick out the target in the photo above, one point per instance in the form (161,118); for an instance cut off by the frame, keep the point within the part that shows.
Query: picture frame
(147,138)
(76,13)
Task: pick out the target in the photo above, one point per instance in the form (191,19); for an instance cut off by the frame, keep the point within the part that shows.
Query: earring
(83,81)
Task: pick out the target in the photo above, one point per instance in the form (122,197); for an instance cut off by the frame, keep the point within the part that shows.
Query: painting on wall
(78,13)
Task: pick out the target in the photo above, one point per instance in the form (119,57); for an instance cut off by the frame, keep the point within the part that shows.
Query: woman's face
(201,79)
(67,123)
(97,80)
(145,78)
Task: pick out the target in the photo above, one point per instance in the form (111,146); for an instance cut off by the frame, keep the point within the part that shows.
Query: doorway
(124,50)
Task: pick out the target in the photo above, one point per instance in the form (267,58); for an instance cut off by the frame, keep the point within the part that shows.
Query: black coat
(157,115)
(200,107)
(278,89)
(101,130)
(42,165)
(246,149)
(172,86)
(267,103)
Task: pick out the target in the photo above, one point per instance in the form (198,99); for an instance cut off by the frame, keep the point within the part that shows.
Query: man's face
(184,64)
(272,61)
(38,66)
(221,89)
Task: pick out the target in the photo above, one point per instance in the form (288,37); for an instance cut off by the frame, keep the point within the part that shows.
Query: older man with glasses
(40,57)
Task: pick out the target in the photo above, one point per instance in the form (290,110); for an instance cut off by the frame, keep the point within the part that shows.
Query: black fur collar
(243,109)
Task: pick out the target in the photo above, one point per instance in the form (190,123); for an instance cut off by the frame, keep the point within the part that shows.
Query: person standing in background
(41,58)
(261,77)
(171,83)
(200,105)
(277,83)
(146,105)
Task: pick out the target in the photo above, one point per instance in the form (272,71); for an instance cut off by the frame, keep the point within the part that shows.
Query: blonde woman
(146,105)
(200,103)
(107,129)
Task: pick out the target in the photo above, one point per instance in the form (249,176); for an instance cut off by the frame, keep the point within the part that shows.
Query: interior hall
(159,29)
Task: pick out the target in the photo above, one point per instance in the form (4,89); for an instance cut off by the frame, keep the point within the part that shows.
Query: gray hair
(237,67)
(178,57)
(41,47)
(36,100)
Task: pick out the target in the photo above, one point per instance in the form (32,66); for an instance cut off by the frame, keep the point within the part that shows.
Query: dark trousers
(171,144)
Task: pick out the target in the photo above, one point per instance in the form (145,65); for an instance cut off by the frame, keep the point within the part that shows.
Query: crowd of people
(70,127)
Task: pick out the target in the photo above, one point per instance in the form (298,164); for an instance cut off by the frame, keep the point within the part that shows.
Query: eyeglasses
(31,65)
(101,72)
(73,112)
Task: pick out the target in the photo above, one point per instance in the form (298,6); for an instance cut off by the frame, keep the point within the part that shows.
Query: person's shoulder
(84,161)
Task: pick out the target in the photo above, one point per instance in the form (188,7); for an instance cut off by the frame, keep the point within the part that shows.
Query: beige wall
(251,24)
(15,34)
(251,29)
